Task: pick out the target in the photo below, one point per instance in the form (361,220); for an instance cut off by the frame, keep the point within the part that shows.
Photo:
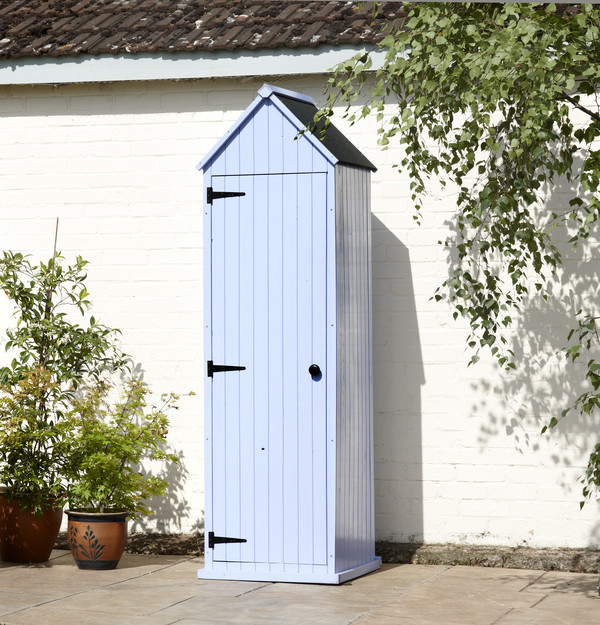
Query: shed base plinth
(293,577)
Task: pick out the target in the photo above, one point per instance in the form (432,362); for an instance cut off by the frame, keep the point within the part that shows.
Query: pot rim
(97,514)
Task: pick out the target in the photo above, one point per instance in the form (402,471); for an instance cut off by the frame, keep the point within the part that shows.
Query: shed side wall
(354,489)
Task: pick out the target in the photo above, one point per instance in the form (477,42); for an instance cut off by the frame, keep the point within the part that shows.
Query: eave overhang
(54,70)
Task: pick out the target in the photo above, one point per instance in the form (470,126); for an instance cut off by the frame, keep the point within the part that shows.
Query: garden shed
(288,397)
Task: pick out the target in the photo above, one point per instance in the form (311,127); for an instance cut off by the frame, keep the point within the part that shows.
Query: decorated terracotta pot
(97,540)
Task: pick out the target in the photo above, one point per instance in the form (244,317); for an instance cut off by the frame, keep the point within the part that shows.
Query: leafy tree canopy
(498,100)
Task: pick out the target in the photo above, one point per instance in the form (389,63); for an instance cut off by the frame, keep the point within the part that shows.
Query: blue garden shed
(288,413)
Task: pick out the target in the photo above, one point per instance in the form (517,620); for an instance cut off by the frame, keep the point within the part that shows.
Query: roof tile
(109,43)
(38,44)
(82,6)
(12,7)
(73,27)
(24,26)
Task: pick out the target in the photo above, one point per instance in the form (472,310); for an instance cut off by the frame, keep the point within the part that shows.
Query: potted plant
(52,355)
(106,481)
(32,450)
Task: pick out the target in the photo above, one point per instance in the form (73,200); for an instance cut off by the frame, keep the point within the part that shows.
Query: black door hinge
(215,195)
(212,368)
(215,540)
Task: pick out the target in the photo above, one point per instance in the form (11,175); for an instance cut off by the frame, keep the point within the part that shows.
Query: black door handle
(314,370)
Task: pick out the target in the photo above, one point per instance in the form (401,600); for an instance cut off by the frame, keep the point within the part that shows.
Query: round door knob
(314,370)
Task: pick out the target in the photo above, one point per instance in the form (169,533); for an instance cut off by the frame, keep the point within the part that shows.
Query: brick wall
(458,453)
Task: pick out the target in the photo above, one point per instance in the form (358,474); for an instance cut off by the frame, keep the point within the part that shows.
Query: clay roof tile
(72,27)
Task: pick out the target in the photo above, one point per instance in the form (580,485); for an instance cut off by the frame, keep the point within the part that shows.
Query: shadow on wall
(397,379)
(169,510)
(519,404)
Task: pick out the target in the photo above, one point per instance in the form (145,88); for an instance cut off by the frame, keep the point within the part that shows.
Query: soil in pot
(97,540)
(25,537)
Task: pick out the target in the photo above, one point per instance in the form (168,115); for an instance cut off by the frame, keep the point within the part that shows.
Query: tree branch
(586,110)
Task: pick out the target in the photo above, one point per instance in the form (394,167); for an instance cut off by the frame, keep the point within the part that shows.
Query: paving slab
(480,596)
(164,590)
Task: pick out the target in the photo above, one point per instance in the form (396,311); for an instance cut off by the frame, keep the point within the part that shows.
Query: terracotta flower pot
(25,537)
(97,540)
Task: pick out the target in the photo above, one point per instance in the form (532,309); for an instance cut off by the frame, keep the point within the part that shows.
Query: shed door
(269,421)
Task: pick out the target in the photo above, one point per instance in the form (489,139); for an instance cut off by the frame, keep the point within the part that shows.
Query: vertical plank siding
(265,144)
(354,472)
(269,421)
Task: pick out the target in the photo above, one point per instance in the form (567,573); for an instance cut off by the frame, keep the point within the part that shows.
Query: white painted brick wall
(458,452)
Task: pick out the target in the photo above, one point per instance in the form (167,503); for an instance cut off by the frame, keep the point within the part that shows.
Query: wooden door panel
(269,421)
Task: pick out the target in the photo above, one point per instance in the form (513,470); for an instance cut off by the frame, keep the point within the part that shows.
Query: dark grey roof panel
(335,141)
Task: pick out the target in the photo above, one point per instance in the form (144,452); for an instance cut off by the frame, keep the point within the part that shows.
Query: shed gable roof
(74,27)
(299,109)
(335,141)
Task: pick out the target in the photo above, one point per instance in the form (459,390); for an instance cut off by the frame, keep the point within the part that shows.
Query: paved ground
(163,590)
